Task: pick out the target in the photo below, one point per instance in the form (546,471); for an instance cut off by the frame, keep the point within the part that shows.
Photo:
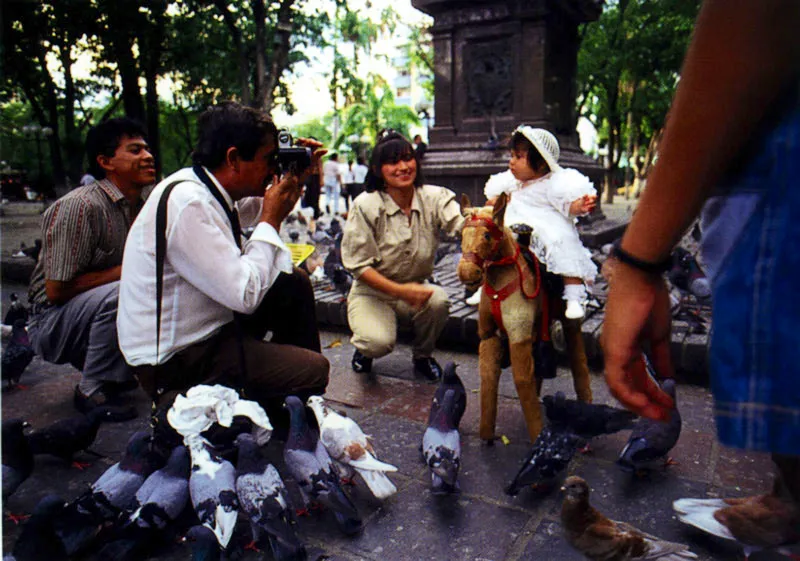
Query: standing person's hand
(637,311)
(280,198)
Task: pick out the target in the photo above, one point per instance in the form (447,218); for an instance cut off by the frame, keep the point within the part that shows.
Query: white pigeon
(204,405)
(756,532)
(349,447)
(212,486)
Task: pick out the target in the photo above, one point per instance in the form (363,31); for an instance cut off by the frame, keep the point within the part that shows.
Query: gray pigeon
(262,496)
(17,456)
(164,494)
(586,420)
(17,310)
(115,490)
(313,470)
(17,355)
(441,444)
(651,441)
(204,544)
(451,381)
(551,453)
(213,489)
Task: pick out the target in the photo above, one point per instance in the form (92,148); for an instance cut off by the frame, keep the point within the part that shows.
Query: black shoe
(99,400)
(428,368)
(361,363)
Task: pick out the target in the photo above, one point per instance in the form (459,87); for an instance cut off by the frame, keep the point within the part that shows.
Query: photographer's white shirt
(206,276)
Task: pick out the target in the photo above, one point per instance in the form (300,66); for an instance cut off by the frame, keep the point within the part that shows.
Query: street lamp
(38,132)
(423,109)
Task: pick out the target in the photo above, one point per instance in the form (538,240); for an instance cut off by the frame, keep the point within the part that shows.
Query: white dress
(543,204)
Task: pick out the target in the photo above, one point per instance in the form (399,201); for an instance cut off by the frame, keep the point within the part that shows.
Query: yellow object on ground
(300,252)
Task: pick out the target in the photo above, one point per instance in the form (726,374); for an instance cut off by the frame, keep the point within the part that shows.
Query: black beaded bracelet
(645,266)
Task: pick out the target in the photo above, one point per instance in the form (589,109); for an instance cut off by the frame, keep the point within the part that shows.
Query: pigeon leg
(670,462)
(252,547)
(586,449)
(21,387)
(351,481)
(317,506)
(80,465)
(302,512)
(17,518)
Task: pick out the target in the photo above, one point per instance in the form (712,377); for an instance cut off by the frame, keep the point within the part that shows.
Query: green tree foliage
(419,51)
(628,68)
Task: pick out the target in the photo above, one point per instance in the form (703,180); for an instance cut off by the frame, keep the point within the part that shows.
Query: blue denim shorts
(752,250)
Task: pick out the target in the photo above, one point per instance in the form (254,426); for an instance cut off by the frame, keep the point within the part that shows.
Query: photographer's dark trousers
(290,363)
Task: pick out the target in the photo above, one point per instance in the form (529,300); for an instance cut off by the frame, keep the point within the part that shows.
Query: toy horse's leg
(577,360)
(527,388)
(490,352)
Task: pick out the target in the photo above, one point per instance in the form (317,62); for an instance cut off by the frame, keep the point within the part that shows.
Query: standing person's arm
(742,55)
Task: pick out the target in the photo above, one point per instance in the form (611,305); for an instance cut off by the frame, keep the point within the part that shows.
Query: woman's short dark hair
(228,125)
(105,138)
(535,159)
(390,149)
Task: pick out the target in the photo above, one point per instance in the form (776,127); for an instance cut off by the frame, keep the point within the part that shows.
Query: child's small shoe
(475,299)
(574,310)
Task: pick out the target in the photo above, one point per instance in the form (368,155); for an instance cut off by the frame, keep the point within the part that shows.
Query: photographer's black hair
(390,149)
(230,124)
(104,139)
(519,143)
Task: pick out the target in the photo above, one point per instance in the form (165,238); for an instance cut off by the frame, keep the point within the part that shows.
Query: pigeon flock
(197,491)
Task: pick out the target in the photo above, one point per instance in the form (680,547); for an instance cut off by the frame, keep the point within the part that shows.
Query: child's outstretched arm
(583,205)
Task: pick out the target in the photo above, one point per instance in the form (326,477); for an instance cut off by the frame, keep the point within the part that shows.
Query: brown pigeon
(602,539)
(756,523)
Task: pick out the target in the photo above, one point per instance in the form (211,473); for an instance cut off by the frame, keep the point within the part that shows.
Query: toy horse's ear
(465,204)
(499,210)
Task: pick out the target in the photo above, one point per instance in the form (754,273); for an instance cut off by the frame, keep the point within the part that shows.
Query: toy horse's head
(481,239)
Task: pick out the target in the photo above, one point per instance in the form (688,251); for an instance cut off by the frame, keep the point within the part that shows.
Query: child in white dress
(548,198)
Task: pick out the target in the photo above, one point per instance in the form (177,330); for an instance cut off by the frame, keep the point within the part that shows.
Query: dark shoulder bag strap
(161,253)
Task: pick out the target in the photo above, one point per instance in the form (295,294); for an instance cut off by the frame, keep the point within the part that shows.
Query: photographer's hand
(316,155)
(280,198)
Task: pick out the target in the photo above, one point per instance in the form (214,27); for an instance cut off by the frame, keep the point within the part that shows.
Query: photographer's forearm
(740,58)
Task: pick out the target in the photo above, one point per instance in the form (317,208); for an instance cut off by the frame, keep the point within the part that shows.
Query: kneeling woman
(389,245)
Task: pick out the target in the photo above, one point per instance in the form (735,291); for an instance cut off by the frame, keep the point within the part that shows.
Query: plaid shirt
(82,232)
(751,237)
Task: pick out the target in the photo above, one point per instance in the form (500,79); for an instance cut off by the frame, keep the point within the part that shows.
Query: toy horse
(512,301)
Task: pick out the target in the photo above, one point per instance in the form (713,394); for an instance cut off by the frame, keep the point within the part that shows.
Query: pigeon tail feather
(224,524)
(368,462)
(704,520)
(379,484)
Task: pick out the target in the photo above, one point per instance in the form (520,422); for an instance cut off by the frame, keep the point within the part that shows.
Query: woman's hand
(637,311)
(415,294)
(584,205)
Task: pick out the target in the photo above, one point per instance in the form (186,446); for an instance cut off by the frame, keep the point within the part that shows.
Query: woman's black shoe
(361,363)
(428,368)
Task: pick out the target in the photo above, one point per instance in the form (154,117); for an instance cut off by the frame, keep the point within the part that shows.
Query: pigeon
(263,498)
(341,278)
(164,494)
(602,539)
(451,381)
(67,437)
(755,523)
(158,503)
(350,449)
(203,543)
(17,456)
(551,454)
(115,490)
(16,311)
(652,440)
(213,489)
(17,355)
(38,540)
(586,420)
(441,444)
(312,468)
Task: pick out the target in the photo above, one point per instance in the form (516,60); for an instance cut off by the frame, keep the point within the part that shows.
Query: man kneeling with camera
(196,299)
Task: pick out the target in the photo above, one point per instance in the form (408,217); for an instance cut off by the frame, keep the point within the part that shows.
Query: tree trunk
(280,54)
(649,157)
(260,21)
(120,40)
(628,178)
(51,107)
(154,41)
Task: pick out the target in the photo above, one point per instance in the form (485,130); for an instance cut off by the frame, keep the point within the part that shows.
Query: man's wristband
(645,266)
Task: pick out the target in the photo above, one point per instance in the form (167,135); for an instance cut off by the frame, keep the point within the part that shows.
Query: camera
(291,158)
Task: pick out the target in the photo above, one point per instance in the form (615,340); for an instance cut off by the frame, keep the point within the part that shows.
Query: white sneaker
(574,310)
(475,299)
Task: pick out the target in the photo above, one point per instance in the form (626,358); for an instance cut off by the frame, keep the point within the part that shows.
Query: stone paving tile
(397,442)
(751,473)
(429,527)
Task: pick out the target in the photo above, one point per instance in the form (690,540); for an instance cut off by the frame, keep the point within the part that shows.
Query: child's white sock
(575,295)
